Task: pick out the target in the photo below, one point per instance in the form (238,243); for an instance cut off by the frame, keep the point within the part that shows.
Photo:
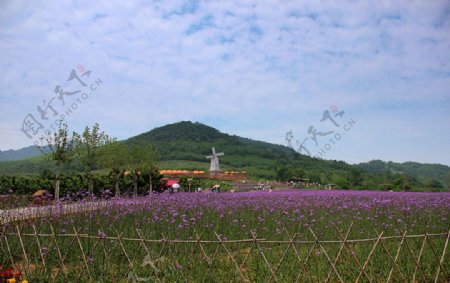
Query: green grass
(273,217)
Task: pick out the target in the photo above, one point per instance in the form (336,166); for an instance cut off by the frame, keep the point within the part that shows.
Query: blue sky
(257,69)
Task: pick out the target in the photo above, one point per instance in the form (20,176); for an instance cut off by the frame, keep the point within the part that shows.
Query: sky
(350,80)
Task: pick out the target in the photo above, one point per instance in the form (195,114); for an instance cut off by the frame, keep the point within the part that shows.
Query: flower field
(282,236)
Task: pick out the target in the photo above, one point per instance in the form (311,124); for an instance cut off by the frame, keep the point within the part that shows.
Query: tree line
(94,148)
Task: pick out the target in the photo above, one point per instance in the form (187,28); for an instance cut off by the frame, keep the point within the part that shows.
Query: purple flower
(101,235)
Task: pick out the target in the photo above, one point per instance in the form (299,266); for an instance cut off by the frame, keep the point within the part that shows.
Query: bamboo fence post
(23,250)
(82,252)
(395,260)
(370,255)
(442,261)
(232,258)
(264,257)
(63,267)
(341,248)
(326,255)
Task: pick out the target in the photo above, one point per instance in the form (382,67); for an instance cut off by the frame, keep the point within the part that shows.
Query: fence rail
(77,256)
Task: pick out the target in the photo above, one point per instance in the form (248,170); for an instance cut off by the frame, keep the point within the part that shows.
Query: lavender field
(284,236)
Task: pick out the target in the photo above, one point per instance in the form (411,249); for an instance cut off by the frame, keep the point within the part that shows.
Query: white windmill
(214,167)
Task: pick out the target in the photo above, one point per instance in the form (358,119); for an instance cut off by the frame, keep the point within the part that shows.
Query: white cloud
(255,68)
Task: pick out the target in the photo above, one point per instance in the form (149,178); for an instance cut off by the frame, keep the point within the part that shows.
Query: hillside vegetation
(185,145)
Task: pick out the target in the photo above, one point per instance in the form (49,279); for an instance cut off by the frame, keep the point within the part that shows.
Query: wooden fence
(75,256)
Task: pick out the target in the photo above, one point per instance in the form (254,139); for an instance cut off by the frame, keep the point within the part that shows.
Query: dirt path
(25,213)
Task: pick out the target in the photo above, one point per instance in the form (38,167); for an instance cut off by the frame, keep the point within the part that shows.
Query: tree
(340,181)
(87,146)
(142,159)
(433,184)
(59,149)
(354,177)
(148,165)
(114,155)
(283,170)
(448,181)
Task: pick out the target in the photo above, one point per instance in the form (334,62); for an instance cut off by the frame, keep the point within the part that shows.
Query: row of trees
(72,183)
(94,148)
(358,178)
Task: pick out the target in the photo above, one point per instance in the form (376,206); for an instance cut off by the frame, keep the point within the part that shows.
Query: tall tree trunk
(117,193)
(90,183)
(135,183)
(57,181)
(91,186)
(150,182)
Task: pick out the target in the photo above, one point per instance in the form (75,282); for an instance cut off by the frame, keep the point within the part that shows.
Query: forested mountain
(19,154)
(423,173)
(193,141)
(185,145)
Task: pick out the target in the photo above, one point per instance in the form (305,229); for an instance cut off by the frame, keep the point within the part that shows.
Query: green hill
(431,175)
(23,153)
(184,145)
(193,141)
